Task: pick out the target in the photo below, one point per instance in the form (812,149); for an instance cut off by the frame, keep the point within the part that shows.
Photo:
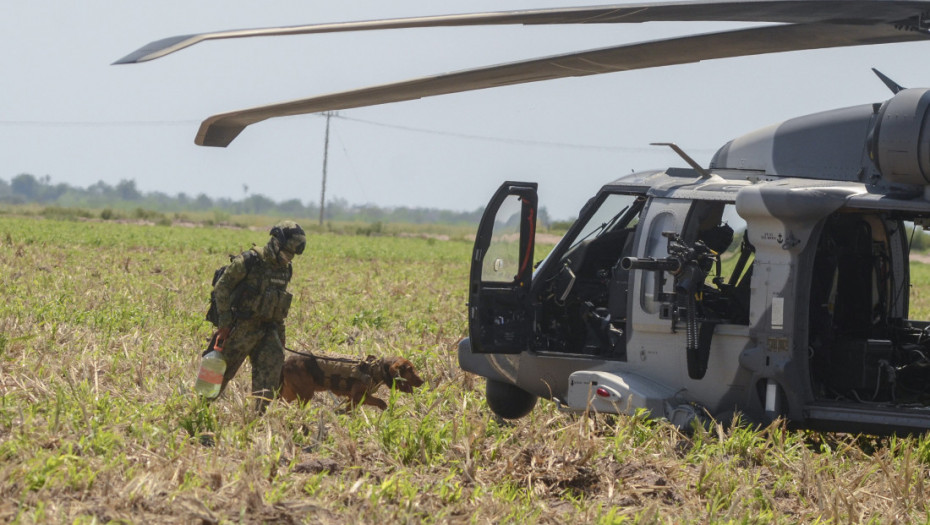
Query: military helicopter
(773,283)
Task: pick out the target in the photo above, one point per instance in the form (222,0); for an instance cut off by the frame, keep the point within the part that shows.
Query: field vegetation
(101,327)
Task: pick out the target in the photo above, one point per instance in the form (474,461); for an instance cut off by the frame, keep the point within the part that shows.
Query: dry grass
(99,336)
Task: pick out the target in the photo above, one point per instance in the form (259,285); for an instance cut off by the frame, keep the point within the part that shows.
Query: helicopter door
(500,319)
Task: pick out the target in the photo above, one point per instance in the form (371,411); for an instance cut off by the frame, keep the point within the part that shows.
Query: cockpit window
(502,262)
(616,211)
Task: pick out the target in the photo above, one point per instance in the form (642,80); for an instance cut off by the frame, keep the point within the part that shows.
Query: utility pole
(329,115)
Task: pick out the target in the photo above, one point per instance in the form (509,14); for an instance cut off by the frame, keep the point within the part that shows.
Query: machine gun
(689,265)
(667,264)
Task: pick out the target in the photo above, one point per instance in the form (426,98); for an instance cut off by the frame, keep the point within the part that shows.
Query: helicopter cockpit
(582,295)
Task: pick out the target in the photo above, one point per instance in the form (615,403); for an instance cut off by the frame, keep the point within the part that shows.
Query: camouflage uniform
(252,303)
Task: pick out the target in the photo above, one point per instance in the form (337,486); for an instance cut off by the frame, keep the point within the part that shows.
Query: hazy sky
(67,113)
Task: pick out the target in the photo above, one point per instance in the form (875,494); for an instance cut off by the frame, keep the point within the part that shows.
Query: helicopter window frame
(682,213)
(656,246)
(580,294)
(604,220)
(732,303)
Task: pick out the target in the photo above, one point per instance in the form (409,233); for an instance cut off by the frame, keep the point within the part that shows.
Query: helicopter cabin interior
(862,346)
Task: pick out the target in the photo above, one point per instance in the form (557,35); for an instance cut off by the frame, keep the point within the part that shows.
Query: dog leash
(299,353)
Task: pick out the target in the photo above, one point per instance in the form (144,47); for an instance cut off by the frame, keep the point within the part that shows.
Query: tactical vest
(340,373)
(264,295)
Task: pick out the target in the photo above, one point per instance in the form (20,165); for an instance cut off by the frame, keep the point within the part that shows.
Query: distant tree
(101,188)
(225,203)
(543,218)
(161,201)
(25,186)
(369,212)
(336,209)
(126,190)
(203,202)
(257,204)
(126,196)
(293,208)
(73,198)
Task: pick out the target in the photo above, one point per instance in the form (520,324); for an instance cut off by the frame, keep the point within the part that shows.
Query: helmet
(290,236)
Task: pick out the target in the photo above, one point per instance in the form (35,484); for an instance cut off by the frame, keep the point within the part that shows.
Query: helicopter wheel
(509,401)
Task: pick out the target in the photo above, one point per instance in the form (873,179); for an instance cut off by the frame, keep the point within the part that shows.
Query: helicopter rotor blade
(220,130)
(782,11)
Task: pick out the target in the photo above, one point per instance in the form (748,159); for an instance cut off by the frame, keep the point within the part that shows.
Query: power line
(358,181)
(522,142)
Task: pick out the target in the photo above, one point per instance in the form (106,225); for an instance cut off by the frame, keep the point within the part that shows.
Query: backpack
(251,258)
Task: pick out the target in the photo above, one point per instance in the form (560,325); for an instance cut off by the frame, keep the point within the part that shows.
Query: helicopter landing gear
(509,401)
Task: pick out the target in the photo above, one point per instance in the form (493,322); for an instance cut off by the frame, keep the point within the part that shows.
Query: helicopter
(773,283)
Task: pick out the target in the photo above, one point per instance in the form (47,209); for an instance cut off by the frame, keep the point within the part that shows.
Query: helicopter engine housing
(899,144)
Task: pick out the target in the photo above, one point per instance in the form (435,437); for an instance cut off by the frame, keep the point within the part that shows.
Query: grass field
(101,327)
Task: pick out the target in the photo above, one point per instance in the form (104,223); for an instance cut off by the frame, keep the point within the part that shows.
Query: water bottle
(210,377)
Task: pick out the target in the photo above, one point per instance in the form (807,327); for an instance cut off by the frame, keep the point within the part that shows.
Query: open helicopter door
(500,318)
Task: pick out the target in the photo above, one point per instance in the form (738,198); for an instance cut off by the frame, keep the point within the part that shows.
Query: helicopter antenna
(892,85)
(691,162)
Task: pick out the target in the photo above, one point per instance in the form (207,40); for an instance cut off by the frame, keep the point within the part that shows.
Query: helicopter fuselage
(776,284)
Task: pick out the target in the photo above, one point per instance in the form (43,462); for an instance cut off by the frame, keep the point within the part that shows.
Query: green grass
(920,291)
(101,325)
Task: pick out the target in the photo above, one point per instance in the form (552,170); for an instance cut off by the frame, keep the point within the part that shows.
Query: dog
(357,379)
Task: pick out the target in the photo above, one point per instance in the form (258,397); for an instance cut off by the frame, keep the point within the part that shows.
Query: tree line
(29,189)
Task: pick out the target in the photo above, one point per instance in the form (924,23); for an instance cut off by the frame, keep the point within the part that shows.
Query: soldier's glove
(221,335)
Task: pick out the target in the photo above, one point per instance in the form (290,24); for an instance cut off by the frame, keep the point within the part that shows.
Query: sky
(66,112)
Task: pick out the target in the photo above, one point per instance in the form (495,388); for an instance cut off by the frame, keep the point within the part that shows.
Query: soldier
(252,302)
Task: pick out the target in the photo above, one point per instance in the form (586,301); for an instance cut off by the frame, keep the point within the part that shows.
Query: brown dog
(359,380)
